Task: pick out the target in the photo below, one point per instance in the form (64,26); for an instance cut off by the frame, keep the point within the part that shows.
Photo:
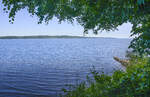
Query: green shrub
(134,82)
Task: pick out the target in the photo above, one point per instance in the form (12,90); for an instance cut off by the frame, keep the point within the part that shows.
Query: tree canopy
(96,15)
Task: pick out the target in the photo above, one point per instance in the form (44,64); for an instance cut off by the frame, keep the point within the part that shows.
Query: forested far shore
(38,36)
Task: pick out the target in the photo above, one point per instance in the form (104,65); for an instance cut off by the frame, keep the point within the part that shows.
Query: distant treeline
(34,37)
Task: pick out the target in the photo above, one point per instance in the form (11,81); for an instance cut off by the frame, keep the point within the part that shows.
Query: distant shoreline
(37,37)
(46,37)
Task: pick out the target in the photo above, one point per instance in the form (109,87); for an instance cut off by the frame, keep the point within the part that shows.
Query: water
(42,67)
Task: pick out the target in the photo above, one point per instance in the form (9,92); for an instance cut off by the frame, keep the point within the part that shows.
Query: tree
(96,15)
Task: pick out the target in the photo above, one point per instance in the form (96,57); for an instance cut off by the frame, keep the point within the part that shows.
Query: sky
(25,25)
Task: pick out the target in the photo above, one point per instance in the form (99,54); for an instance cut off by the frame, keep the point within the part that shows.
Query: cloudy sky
(26,25)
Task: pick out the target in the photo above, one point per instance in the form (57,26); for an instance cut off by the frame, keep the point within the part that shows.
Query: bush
(135,82)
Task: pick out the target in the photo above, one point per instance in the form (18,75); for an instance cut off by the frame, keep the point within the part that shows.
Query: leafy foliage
(96,15)
(135,82)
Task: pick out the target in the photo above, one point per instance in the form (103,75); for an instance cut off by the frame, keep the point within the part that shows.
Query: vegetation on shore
(134,82)
(38,36)
(47,36)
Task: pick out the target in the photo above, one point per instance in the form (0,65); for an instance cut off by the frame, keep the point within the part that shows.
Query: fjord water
(42,67)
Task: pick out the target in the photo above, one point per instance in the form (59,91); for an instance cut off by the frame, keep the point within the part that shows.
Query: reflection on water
(42,67)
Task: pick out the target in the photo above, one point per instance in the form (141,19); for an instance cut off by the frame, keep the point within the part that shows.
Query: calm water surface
(42,67)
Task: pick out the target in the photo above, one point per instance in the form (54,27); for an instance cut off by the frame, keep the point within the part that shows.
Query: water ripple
(42,67)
